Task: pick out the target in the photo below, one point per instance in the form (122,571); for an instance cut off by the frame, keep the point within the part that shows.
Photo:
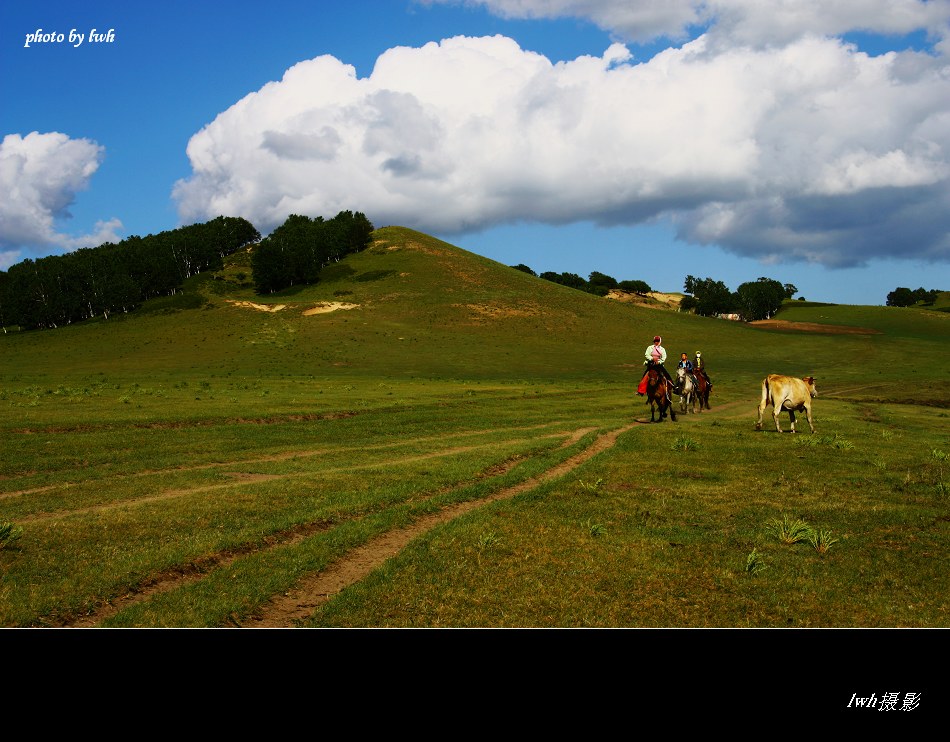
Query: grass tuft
(754,563)
(684,443)
(592,487)
(9,534)
(821,540)
(789,531)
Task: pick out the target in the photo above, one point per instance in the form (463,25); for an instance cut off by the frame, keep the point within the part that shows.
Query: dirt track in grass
(295,606)
(298,604)
(291,609)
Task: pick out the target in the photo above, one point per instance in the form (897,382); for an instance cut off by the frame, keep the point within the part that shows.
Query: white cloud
(748,22)
(40,175)
(808,150)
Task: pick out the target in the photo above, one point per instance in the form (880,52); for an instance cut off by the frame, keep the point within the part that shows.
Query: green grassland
(185,463)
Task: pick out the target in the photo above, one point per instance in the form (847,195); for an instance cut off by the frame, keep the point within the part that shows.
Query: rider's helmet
(657,339)
(698,354)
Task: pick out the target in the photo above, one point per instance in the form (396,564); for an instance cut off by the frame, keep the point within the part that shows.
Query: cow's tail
(766,392)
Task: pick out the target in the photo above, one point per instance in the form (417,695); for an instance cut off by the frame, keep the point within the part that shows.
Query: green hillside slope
(412,306)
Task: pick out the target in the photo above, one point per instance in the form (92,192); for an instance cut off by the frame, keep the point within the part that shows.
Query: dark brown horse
(702,390)
(658,395)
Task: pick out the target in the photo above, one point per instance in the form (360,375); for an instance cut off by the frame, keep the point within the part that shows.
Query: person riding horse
(685,363)
(699,367)
(655,358)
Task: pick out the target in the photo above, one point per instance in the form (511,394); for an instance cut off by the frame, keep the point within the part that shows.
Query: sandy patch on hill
(781,324)
(322,308)
(649,299)
(329,306)
(258,307)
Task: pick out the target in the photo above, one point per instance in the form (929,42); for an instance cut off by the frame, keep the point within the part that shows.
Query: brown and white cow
(788,393)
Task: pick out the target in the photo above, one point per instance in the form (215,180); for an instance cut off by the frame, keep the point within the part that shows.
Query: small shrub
(939,455)
(754,563)
(595,529)
(488,540)
(592,487)
(788,531)
(9,533)
(684,443)
(821,540)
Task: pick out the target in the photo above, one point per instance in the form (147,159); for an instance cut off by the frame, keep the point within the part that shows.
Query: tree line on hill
(596,283)
(753,300)
(99,281)
(296,252)
(904,297)
(61,289)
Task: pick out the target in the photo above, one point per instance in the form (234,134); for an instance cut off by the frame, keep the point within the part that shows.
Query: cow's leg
(775,414)
(808,415)
(791,417)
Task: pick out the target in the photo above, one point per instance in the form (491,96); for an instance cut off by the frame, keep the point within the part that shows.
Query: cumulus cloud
(751,22)
(40,175)
(806,149)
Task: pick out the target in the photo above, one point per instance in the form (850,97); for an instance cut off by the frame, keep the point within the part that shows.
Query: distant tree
(636,287)
(524,269)
(760,299)
(5,314)
(601,280)
(790,290)
(904,297)
(355,231)
(900,297)
(688,303)
(571,280)
(296,251)
(712,297)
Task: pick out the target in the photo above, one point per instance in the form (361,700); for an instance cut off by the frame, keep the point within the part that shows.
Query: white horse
(688,394)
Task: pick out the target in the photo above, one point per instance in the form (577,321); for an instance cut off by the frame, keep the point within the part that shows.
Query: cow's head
(810,383)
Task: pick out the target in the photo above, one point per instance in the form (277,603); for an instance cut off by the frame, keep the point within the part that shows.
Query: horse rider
(699,367)
(688,365)
(655,358)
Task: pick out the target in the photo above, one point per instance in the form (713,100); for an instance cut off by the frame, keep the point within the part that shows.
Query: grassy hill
(418,307)
(186,463)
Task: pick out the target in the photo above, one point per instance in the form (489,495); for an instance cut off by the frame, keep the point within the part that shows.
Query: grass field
(202,462)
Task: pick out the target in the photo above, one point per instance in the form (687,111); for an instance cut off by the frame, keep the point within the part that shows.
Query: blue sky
(731,139)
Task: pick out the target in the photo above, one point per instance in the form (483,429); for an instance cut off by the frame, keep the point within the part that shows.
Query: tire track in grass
(288,610)
(174,578)
(273,458)
(240,479)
